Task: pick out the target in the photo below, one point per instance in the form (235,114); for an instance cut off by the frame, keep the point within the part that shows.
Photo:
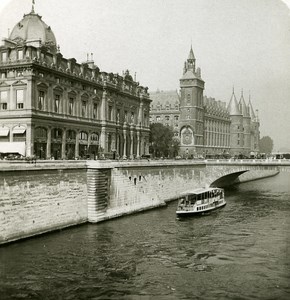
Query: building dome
(31,30)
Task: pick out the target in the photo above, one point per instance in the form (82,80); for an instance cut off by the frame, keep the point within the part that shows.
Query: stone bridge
(118,188)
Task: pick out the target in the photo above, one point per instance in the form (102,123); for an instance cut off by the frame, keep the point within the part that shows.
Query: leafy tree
(266,145)
(162,141)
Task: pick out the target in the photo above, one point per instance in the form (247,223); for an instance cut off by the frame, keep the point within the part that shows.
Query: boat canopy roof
(201,191)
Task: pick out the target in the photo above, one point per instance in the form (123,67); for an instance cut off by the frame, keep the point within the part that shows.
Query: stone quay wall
(42,197)
(50,195)
(133,187)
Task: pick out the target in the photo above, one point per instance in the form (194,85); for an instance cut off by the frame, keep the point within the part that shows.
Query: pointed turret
(233,107)
(251,110)
(189,65)
(191,57)
(243,107)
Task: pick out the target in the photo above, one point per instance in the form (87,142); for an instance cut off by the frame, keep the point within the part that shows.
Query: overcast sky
(240,43)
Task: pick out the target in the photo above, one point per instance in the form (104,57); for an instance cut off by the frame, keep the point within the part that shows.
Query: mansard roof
(215,108)
(163,98)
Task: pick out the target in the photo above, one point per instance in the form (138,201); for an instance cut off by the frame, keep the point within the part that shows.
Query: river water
(239,252)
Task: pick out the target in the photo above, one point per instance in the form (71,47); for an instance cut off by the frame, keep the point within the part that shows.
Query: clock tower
(191,109)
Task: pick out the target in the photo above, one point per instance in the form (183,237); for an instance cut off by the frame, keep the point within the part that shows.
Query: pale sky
(240,43)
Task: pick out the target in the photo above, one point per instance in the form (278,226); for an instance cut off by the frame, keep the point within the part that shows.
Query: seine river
(239,252)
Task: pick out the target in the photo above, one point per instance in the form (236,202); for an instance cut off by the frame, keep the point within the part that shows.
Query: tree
(162,141)
(266,145)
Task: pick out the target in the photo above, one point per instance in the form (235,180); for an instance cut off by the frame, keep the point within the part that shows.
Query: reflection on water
(238,252)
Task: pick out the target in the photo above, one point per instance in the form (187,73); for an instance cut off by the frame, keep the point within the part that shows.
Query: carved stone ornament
(187,137)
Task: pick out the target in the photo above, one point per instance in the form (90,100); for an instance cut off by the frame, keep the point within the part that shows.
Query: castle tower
(191,109)
(236,128)
(246,126)
(255,130)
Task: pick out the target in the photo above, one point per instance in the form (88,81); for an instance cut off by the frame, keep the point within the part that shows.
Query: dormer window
(20,54)
(4,56)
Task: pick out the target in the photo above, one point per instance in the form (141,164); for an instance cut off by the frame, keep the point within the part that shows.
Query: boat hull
(198,213)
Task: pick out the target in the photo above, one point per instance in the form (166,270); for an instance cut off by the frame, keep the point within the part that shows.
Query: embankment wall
(35,200)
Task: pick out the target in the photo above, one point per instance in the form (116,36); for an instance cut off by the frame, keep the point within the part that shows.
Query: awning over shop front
(4,131)
(19,130)
(14,147)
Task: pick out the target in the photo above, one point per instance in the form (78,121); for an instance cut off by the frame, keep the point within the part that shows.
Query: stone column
(29,140)
(12,99)
(103,138)
(117,143)
(125,144)
(63,144)
(28,100)
(132,144)
(140,115)
(50,99)
(77,146)
(48,143)
(103,106)
(138,144)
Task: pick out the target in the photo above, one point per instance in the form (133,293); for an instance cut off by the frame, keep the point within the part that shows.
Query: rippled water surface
(239,252)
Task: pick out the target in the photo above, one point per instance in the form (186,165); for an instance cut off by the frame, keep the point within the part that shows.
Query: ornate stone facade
(204,126)
(54,107)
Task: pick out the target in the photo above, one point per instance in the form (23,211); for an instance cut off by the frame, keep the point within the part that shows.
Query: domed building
(55,107)
(204,126)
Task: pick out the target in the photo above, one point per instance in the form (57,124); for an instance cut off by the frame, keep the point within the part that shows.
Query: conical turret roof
(243,106)
(191,55)
(233,107)
(252,113)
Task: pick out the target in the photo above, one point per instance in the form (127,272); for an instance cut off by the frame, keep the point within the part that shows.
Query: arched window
(83,136)
(94,137)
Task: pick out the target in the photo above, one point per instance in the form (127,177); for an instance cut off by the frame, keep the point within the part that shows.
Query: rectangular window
(20,54)
(19,99)
(118,114)
(84,108)
(158,118)
(4,56)
(41,100)
(110,113)
(132,117)
(95,111)
(57,80)
(3,100)
(56,103)
(71,106)
(125,116)
(3,75)
(167,118)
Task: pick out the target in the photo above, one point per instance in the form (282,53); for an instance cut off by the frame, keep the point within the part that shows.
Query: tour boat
(200,201)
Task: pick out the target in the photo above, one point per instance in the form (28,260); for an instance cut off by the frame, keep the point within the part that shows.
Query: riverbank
(40,197)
